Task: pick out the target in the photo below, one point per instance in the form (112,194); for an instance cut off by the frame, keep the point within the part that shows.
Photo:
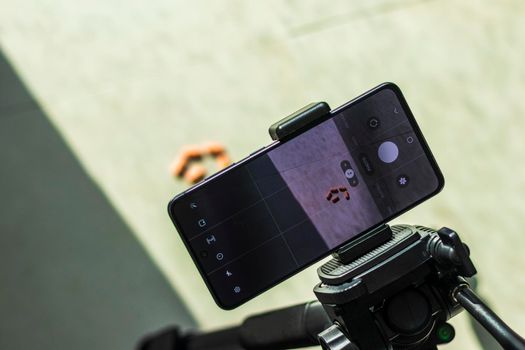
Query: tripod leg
(292,327)
(226,339)
(170,338)
(488,319)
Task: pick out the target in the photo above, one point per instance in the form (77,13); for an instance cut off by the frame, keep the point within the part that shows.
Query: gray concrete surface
(127,84)
(72,275)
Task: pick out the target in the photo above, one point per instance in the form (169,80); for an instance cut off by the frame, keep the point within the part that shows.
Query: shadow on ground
(72,275)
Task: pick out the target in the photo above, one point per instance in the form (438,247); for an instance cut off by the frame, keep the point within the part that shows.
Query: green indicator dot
(445,332)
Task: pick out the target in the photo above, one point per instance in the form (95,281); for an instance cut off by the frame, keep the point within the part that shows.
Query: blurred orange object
(223,160)
(185,165)
(178,166)
(215,148)
(195,173)
(193,151)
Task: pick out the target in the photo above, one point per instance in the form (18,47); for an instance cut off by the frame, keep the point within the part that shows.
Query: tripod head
(397,295)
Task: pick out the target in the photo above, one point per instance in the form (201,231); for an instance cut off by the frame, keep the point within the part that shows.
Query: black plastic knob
(333,338)
(408,312)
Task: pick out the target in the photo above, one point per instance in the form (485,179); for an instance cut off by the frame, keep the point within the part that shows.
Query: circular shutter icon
(388,152)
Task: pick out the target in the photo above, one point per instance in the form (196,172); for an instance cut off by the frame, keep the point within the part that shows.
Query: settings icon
(403,180)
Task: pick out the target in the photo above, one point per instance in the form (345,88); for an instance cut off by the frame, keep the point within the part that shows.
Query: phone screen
(285,207)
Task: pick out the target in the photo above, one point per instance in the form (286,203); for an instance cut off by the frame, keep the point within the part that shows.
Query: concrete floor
(72,275)
(127,84)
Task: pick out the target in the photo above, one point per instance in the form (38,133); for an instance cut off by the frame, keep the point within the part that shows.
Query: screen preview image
(263,220)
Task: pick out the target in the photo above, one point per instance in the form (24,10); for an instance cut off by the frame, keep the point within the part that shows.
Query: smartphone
(288,205)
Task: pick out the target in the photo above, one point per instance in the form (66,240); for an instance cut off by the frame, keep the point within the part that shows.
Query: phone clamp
(304,117)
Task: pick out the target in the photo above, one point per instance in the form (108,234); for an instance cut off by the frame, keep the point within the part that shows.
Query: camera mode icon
(373,123)
(349,173)
(211,239)
(403,180)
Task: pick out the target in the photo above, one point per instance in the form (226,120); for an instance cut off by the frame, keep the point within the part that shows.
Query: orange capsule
(192,151)
(178,166)
(222,160)
(334,190)
(214,148)
(347,195)
(195,173)
(329,195)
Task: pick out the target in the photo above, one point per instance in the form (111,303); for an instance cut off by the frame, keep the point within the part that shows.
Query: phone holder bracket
(300,119)
(364,244)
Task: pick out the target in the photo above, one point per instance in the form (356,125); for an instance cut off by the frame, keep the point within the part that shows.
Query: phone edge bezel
(271,146)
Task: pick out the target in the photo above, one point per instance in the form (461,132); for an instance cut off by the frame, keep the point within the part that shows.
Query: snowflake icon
(403,180)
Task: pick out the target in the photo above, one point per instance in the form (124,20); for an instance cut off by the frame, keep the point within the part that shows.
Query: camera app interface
(278,212)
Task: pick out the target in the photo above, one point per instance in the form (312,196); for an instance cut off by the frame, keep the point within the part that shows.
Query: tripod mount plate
(336,271)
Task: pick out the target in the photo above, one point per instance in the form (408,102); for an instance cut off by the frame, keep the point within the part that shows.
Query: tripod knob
(333,338)
(408,312)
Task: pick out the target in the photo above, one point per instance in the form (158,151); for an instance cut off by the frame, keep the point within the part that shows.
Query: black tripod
(394,289)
